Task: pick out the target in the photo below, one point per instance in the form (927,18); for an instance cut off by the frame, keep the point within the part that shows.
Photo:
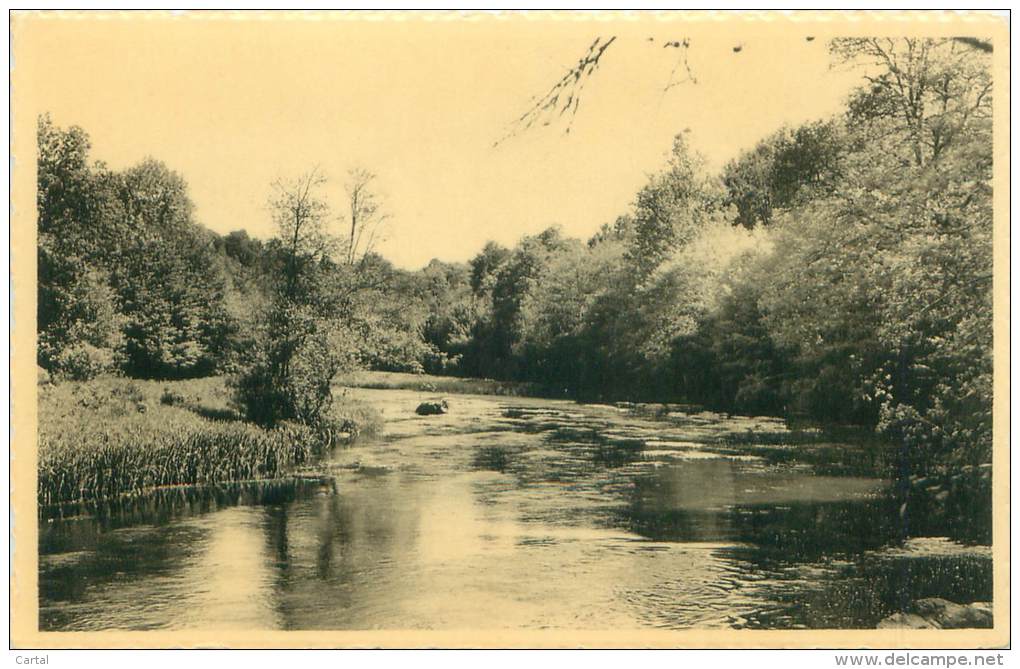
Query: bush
(171,398)
(257,395)
(83,361)
(84,337)
(444,364)
(285,380)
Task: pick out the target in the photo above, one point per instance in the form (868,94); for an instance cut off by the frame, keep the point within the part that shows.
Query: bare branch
(684,47)
(365,215)
(565,95)
(973,42)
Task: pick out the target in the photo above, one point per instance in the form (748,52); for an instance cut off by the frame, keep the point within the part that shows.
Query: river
(522,514)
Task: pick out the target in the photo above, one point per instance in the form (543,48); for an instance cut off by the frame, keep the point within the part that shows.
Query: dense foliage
(127,279)
(839,271)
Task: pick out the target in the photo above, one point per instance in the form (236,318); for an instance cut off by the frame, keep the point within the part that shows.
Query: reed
(114,437)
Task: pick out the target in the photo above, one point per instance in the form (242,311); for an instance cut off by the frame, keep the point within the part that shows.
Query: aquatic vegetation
(92,465)
(114,437)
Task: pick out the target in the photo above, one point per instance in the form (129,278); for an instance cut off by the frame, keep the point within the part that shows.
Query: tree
(730,361)
(555,310)
(786,167)
(86,338)
(388,315)
(450,310)
(560,103)
(124,245)
(365,215)
(301,218)
(927,90)
(498,334)
(242,248)
(672,208)
(165,272)
(485,266)
(883,290)
(302,339)
(68,202)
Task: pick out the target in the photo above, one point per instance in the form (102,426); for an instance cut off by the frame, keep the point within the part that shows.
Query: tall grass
(91,466)
(114,437)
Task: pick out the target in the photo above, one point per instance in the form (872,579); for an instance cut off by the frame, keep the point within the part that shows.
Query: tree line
(840,271)
(129,283)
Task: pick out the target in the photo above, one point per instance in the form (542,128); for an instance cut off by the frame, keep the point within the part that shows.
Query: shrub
(84,338)
(291,378)
(258,394)
(83,361)
(171,398)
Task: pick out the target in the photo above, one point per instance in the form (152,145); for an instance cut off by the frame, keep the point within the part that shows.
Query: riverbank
(687,523)
(430,383)
(116,437)
(113,437)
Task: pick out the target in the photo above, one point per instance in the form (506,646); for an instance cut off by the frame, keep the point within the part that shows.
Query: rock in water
(432,408)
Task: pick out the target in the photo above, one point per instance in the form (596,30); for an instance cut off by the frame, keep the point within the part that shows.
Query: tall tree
(929,91)
(783,169)
(365,216)
(124,245)
(171,288)
(671,209)
(301,340)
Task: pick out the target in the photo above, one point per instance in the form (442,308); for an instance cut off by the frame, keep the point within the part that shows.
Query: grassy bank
(438,384)
(112,437)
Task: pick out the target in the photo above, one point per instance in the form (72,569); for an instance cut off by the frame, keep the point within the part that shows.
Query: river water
(524,514)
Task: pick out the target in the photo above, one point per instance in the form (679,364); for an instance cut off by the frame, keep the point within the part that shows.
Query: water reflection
(537,515)
(232,578)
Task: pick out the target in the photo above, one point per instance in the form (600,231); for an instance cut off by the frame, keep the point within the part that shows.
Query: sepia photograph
(520,329)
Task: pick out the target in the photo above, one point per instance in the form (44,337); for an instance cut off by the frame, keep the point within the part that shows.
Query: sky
(233,104)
